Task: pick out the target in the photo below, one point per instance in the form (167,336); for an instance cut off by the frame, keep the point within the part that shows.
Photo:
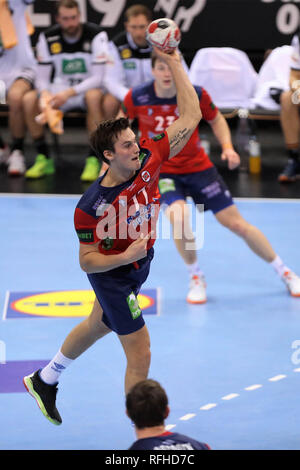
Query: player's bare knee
(239,226)
(30,100)
(286,100)
(93,97)
(15,99)
(140,359)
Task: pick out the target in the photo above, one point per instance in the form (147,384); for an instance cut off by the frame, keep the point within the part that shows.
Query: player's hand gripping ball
(164,34)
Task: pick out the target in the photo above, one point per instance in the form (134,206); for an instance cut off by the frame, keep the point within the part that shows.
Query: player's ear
(108,154)
(167,412)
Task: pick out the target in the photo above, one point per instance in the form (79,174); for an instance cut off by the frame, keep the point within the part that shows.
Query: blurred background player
(192,173)
(131,53)
(147,407)
(17,71)
(71,60)
(289,117)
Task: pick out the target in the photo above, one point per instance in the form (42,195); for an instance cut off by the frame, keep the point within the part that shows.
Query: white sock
(194,270)
(51,372)
(279,266)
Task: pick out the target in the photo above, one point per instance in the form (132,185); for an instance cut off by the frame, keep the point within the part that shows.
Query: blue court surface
(231,367)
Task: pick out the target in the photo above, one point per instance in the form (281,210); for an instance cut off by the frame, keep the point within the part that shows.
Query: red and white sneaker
(16,163)
(4,154)
(292,282)
(197,290)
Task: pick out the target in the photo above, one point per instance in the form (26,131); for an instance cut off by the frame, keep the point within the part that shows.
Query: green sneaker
(91,169)
(43,166)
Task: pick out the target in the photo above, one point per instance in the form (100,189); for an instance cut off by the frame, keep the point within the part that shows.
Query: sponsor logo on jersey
(85,235)
(144,214)
(129,65)
(56,48)
(126,53)
(74,66)
(159,136)
(146,176)
(165,185)
(107,243)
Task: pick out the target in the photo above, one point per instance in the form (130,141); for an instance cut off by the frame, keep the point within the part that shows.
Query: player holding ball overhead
(117,267)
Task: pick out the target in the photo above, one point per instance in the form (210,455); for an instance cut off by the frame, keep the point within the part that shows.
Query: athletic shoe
(43,166)
(91,169)
(4,155)
(291,172)
(16,163)
(197,290)
(292,281)
(45,396)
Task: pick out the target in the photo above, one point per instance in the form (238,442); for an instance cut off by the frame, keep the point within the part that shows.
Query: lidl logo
(66,303)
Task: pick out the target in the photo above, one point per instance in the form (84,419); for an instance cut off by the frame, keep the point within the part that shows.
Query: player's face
(69,20)
(126,155)
(162,74)
(137,27)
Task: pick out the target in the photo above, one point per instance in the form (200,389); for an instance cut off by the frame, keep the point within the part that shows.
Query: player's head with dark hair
(147,404)
(105,136)
(137,18)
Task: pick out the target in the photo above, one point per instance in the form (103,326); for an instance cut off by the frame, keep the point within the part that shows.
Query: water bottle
(242,138)
(254,156)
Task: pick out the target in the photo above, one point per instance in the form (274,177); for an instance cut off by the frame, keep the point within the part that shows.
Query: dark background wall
(251,25)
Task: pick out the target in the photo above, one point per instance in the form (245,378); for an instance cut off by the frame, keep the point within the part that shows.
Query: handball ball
(164,34)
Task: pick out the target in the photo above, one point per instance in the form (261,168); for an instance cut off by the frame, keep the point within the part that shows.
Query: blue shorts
(204,187)
(117,291)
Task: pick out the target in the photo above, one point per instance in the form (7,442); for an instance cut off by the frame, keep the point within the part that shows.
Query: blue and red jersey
(169,441)
(155,114)
(116,216)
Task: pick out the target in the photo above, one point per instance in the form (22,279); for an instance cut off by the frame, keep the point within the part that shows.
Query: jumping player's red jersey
(115,216)
(155,114)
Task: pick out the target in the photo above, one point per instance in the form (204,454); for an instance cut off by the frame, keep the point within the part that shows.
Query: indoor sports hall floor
(231,367)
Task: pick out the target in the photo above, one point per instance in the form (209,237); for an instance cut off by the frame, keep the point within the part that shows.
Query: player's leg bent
(231,218)
(85,334)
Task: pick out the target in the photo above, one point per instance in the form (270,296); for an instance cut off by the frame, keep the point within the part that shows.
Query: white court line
(5,305)
(187,416)
(209,406)
(277,377)
(253,387)
(230,396)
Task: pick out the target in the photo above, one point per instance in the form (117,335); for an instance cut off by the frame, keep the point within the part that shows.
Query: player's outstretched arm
(188,104)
